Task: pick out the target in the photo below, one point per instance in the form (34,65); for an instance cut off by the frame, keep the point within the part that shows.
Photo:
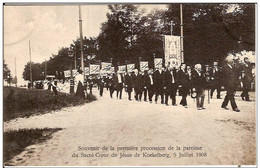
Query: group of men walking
(184,80)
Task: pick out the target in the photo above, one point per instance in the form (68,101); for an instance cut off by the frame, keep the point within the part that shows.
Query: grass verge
(15,142)
(19,102)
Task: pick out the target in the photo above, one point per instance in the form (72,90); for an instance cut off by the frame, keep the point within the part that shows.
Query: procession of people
(167,83)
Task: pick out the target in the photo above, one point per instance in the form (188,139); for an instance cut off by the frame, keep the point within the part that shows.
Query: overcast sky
(48,28)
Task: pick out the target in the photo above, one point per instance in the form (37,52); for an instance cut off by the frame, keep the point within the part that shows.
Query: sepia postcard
(129,84)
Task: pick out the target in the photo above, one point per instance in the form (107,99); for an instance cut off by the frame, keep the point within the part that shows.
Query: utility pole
(81,44)
(45,69)
(15,72)
(75,58)
(30,64)
(182,49)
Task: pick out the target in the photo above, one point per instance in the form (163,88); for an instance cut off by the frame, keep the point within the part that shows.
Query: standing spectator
(231,75)
(159,84)
(183,78)
(199,85)
(79,81)
(129,85)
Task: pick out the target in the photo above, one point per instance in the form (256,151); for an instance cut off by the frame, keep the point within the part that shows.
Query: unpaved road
(225,136)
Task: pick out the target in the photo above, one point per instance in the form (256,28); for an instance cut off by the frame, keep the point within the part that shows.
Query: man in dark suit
(118,80)
(231,75)
(128,84)
(136,84)
(149,84)
(101,85)
(215,80)
(199,85)
(171,85)
(159,84)
(111,85)
(183,80)
(247,78)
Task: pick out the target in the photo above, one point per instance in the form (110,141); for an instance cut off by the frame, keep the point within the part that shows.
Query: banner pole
(182,49)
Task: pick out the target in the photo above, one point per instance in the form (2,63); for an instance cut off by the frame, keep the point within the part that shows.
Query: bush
(19,102)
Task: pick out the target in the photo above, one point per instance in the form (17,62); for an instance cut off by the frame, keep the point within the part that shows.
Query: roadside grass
(20,102)
(15,142)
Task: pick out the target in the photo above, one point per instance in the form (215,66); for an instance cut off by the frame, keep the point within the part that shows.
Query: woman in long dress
(79,78)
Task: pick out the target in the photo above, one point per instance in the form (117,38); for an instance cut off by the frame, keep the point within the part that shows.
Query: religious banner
(172,49)
(86,70)
(157,62)
(94,69)
(122,69)
(144,66)
(105,67)
(130,67)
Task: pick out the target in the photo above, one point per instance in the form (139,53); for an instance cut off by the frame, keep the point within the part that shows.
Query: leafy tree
(37,71)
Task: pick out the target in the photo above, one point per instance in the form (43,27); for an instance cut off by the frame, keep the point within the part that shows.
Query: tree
(37,71)
(7,74)
(211,31)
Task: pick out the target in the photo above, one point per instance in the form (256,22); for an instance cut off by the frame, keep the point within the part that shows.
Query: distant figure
(90,84)
(159,84)
(80,88)
(101,85)
(128,84)
(54,87)
(215,77)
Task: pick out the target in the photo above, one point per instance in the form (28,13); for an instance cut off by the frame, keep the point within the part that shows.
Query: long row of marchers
(166,82)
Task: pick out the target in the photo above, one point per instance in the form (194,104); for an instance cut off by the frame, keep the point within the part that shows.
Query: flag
(144,65)
(122,69)
(130,67)
(157,62)
(94,69)
(172,50)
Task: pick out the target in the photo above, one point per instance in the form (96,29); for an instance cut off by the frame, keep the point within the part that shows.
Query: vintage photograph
(129,84)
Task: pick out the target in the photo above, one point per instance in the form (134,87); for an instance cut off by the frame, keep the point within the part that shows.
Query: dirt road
(225,137)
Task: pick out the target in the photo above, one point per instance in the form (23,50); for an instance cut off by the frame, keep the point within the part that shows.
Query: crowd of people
(184,80)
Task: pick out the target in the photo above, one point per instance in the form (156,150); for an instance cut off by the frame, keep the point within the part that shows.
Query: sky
(48,28)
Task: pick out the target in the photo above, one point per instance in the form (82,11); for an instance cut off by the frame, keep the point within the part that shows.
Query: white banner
(67,73)
(172,49)
(94,69)
(144,65)
(86,70)
(157,62)
(75,72)
(130,67)
(122,69)
(105,67)
(112,69)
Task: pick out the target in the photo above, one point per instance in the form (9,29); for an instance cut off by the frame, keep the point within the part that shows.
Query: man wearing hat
(246,79)
(215,83)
